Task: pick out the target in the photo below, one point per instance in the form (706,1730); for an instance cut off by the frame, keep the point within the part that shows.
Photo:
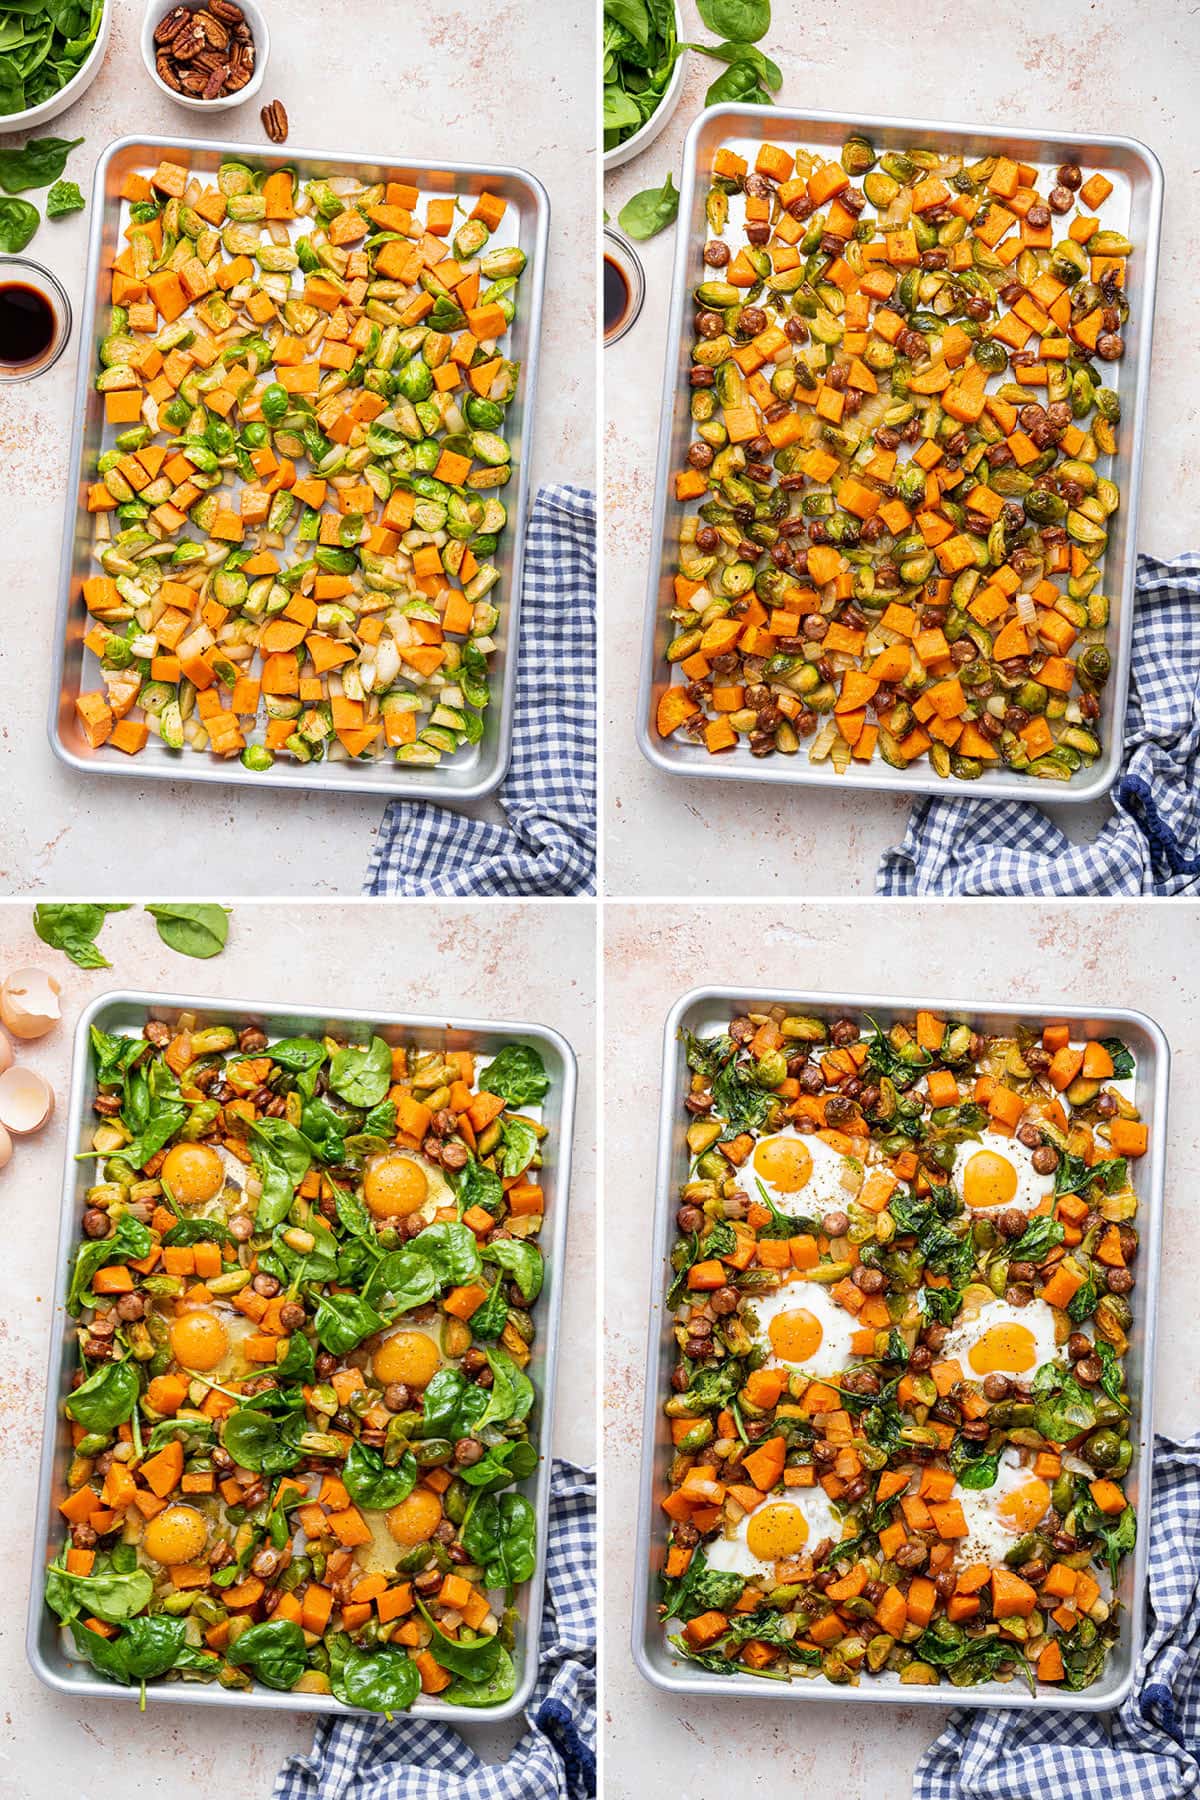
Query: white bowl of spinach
(644,58)
(50,53)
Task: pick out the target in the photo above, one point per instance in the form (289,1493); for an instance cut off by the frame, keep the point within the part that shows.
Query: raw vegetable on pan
(902,1295)
(896,505)
(297,517)
(305,1293)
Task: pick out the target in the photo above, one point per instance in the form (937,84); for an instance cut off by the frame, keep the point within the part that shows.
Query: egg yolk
(776,1531)
(1021,1509)
(416,1519)
(1005,1350)
(784,1164)
(407,1356)
(198,1340)
(395,1186)
(795,1335)
(176,1536)
(193,1172)
(989,1180)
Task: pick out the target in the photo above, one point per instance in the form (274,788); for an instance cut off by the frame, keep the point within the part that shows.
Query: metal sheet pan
(128,1010)
(1135,207)
(475,770)
(709,1008)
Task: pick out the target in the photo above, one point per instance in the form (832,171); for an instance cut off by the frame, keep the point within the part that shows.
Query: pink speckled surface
(673,836)
(533,962)
(448,79)
(1100,954)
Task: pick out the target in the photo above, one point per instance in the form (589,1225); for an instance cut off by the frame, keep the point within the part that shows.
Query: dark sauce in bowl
(28,324)
(616,296)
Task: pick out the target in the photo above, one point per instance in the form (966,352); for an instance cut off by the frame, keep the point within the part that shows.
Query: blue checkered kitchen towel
(1147,1750)
(421,1759)
(1151,845)
(549,793)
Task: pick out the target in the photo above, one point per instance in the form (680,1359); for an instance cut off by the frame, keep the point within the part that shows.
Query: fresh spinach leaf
(740,82)
(510,1396)
(499,1686)
(259,1442)
(385,1680)
(194,1434)
(106,1399)
(108,1594)
(743,20)
(362,1074)
(64,197)
(479,1186)
(520,1147)
(646,214)
(370,1481)
(406,1278)
(114,1055)
(343,1321)
(501,1465)
(500,1534)
(197,1231)
(454,1406)
(468,1655)
(144,1648)
(192,928)
(489,1319)
(40,161)
(452,1249)
(518,1075)
(70,926)
(766,72)
(274,1650)
(522,1261)
(283,1157)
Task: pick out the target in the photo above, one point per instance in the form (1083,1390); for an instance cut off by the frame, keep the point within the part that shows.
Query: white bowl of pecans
(206,54)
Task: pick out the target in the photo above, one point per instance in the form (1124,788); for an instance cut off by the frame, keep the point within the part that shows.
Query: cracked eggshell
(5,1147)
(29,1003)
(5,1053)
(26,1101)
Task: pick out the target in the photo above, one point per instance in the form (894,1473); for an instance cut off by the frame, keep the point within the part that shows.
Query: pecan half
(275,121)
(166,72)
(226,11)
(172,25)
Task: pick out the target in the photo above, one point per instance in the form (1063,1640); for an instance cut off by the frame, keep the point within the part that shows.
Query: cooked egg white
(997,1516)
(1003,1340)
(800,1173)
(998,1172)
(790,1522)
(803,1327)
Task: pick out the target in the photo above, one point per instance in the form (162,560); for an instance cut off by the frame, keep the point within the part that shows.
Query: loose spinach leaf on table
(743,20)
(361,1074)
(42,160)
(64,198)
(651,211)
(72,926)
(106,1399)
(192,928)
(763,70)
(274,1651)
(741,81)
(517,1075)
